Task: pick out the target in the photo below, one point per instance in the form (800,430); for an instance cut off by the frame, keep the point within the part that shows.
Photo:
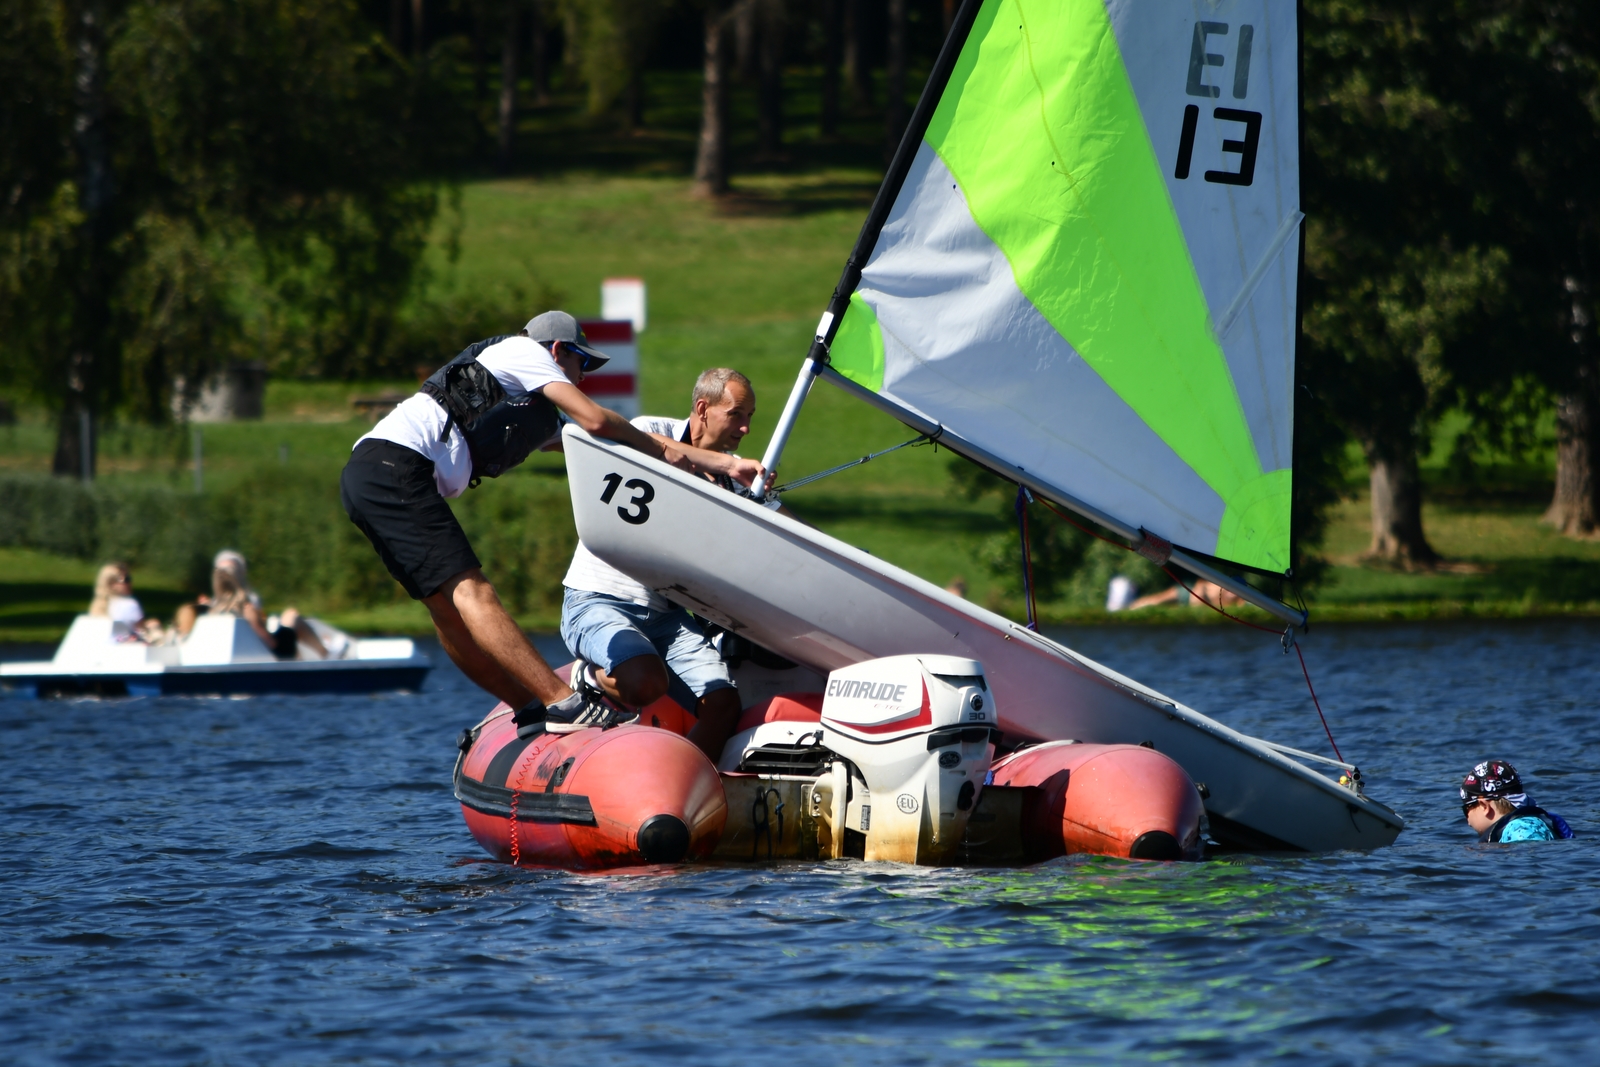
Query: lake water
(288,881)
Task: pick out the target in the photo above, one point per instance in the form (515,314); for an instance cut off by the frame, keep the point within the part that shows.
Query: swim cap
(1495,779)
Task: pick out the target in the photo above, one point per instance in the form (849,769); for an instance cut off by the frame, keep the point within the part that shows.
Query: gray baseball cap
(559,326)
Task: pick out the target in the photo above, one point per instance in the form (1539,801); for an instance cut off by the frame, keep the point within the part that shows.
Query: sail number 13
(644,492)
(1199,60)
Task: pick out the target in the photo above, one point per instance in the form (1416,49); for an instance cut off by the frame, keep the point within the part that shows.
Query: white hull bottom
(825,604)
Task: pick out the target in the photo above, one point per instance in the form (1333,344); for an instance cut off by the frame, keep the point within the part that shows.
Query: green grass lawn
(741,283)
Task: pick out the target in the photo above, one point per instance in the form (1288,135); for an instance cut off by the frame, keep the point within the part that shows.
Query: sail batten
(1084,266)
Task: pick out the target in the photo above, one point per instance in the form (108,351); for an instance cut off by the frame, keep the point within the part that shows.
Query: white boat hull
(222,656)
(825,604)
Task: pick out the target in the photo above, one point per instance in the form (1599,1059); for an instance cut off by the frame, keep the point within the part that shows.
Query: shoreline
(1191,616)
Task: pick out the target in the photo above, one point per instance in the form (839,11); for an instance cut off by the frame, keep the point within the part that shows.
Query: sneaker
(530,719)
(580,711)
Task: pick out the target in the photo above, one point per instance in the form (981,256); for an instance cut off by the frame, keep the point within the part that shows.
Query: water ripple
(288,881)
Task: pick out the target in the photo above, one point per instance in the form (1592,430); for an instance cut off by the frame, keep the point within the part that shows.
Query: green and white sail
(1089,267)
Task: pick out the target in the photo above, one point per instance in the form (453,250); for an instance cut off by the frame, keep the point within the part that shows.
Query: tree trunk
(480,58)
(746,40)
(539,57)
(508,85)
(416,29)
(828,121)
(1574,509)
(856,75)
(894,81)
(711,159)
(397,25)
(770,116)
(1397,508)
(634,119)
(75,437)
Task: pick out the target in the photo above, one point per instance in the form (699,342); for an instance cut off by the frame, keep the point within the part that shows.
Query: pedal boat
(222,656)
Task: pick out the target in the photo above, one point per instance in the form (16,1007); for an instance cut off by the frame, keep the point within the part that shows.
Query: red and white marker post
(615,385)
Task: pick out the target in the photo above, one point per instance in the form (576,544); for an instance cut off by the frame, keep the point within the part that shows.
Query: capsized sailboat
(1080,272)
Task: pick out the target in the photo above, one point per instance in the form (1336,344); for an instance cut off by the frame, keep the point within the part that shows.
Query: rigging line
(808,479)
(1023,499)
(1318,703)
(1287,641)
(1243,622)
(1216,608)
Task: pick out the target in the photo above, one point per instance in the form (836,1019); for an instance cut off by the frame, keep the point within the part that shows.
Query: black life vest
(500,432)
(509,432)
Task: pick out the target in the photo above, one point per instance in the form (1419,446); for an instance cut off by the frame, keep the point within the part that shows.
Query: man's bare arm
(603,422)
(704,461)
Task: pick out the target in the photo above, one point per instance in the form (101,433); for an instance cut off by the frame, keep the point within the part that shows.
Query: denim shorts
(607,631)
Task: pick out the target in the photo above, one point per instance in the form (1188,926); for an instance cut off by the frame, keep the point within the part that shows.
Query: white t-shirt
(592,574)
(124,609)
(520,365)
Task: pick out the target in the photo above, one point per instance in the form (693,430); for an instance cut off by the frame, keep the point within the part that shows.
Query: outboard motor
(918,734)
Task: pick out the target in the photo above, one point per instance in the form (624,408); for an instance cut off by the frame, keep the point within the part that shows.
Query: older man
(479,415)
(634,646)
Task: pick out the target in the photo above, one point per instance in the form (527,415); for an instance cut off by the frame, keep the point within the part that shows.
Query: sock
(530,718)
(567,707)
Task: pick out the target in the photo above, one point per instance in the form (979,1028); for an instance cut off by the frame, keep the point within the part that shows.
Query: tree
(832,13)
(612,39)
(894,78)
(169,157)
(1540,102)
(1403,280)
(857,72)
(539,53)
(510,47)
(769,113)
(711,155)
(1514,149)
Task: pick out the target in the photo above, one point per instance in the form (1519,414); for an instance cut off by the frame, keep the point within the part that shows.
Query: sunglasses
(1468,805)
(588,363)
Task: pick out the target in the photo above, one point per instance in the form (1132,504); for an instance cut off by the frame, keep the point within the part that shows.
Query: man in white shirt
(626,635)
(433,445)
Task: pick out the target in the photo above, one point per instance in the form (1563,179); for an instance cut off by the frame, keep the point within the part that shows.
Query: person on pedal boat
(1497,807)
(479,415)
(633,646)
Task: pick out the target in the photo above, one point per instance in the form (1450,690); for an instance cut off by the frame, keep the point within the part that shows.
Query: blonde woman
(231,595)
(114,600)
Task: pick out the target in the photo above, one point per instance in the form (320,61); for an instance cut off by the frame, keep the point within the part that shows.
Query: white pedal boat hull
(825,604)
(222,656)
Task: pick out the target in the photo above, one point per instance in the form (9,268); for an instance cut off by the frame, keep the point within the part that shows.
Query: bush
(294,532)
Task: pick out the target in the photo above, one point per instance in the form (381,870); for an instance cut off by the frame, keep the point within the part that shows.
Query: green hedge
(292,529)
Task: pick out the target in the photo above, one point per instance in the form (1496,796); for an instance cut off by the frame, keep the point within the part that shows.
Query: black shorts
(389,493)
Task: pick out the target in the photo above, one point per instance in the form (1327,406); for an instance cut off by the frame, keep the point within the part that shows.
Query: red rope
(516,794)
(516,852)
(1216,608)
(1318,703)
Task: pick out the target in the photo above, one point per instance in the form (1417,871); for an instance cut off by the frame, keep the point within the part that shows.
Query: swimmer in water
(1497,807)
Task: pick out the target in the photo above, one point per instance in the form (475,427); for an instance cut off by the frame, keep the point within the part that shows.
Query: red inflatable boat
(905,773)
(588,800)
(1113,800)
